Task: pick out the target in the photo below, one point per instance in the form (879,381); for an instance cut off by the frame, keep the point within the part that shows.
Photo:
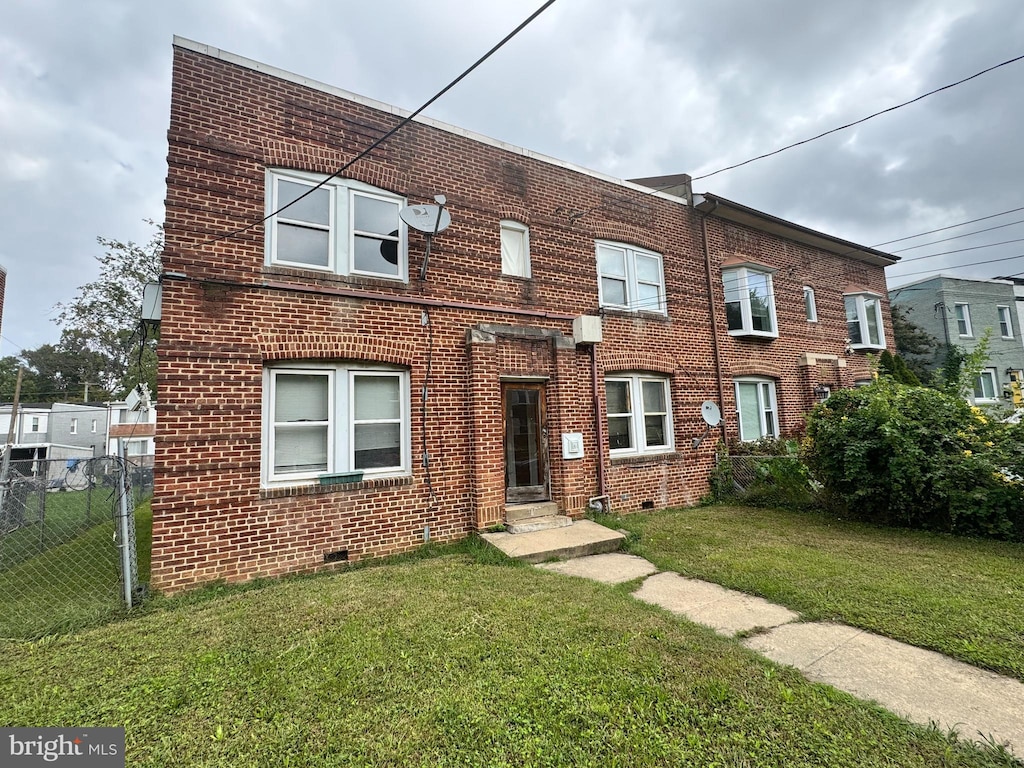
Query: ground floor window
(324,419)
(639,410)
(755,408)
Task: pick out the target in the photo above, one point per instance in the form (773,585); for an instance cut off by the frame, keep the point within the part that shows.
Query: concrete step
(517,512)
(545,523)
(583,537)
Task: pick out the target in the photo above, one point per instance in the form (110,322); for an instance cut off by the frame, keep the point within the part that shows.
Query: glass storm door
(526,470)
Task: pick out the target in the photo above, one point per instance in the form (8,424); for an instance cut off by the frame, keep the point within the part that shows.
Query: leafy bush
(917,457)
(764,473)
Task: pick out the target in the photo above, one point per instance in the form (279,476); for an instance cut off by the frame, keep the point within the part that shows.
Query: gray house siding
(933,305)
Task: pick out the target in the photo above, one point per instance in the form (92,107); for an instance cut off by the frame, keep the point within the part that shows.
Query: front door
(526,466)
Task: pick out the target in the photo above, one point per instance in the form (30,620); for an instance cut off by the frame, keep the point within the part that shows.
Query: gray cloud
(644,88)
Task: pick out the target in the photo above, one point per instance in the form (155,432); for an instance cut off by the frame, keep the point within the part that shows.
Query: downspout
(601,490)
(712,313)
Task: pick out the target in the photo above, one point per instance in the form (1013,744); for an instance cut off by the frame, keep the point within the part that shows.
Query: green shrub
(917,457)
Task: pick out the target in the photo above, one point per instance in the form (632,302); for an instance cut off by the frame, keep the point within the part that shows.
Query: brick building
(326,395)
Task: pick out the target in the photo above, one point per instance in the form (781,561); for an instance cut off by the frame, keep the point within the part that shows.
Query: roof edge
(737,212)
(283,74)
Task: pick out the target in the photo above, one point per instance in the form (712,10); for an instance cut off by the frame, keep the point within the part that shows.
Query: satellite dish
(426,218)
(710,413)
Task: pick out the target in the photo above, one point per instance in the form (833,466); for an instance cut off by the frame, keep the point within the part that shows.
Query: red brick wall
(228,317)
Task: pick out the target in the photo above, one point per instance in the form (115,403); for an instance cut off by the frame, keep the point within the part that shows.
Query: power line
(950,226)
(956,237)
(961,250)
(401,124)
(960,266)
(858,122)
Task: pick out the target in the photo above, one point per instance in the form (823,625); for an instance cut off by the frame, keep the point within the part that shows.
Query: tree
(895,366)
(103,322)
(9,378)
(65,372)
(914,344)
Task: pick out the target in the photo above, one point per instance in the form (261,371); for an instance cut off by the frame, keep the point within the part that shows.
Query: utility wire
(858,122)
(956,237)
(401,124)
(950,226)
(960,250)
(958,266)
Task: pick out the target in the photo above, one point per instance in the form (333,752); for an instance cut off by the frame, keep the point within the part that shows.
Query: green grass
(961,597)
(450,660)
(65,516)
(70,585)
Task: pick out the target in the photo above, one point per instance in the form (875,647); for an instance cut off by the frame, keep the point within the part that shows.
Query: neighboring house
(958,311)
(42,431)
(81,425)
(133,423)
(328,395)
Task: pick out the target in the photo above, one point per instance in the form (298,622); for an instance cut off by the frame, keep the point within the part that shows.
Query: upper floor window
(810,308)
(864,321)
(1005,322)
(755,408)
(92,427)
(35,424)
(985,386)
(639,413)
(515,249)
(630,278)
(74,426)
(345,227)
(749,301)
(962,312)
(321,419)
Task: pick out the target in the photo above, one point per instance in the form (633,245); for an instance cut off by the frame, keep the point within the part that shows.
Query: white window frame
(767,403)
(74,426)
(515,231)
(630,278)
(34,424)
(342,194)
(340,421)
(637,413)
(1005,321)
(962,313)
(736,286)
(93,427)
(860,304)
(993,376)
(810,307)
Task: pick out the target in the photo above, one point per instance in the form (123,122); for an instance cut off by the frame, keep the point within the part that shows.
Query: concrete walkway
(923,686)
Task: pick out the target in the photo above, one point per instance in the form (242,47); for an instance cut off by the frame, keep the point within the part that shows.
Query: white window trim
(340,228)
(862,319)
(93,426)
(638,435)
(810,307)
(516,226)
(736,277)
(631,279)
(74,426)
(1004,311)
(340,443)
(766,386)
(992,374)
(966,319)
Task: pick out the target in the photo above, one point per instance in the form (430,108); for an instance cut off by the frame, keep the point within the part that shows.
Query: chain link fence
(67,542)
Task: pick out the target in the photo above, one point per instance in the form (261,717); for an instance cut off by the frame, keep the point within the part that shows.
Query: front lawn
(962,597)
(453,660)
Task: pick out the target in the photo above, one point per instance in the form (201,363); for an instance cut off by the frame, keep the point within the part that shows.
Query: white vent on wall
(586,329)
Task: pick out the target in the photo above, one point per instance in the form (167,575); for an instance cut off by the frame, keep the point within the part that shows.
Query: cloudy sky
(637,88)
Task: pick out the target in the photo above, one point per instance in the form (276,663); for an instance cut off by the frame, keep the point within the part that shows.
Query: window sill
(644,313)
(753,334)
(644,458)
(314,488)
(328,276)
(867,347)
